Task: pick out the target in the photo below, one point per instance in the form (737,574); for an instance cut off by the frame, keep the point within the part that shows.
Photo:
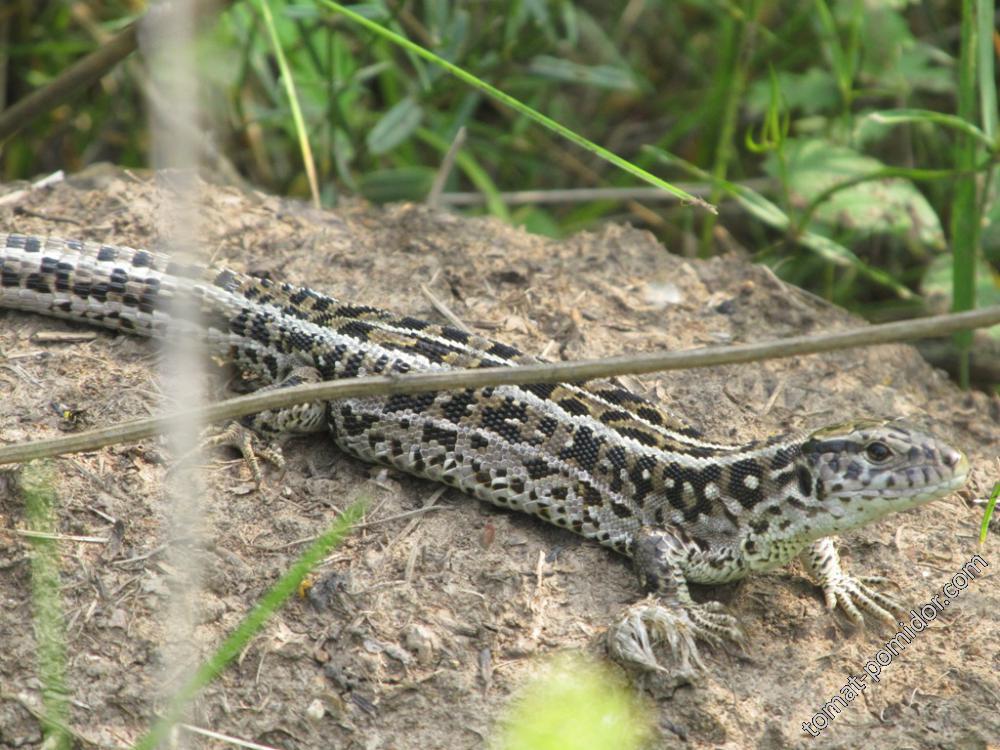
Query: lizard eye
(878,452)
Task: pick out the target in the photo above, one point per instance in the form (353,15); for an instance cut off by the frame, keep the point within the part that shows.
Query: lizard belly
(767,554)
(481,463)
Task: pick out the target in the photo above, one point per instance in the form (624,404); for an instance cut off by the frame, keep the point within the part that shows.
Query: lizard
(592,458)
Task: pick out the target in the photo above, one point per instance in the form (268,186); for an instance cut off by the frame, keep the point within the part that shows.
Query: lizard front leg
(669,615)
(823,564)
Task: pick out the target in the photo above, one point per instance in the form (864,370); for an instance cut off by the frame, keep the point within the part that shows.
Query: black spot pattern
(440,435)
(640,436)
(414,324)
(63,273)
(118,281)
(358,329)
(454,334)
(574,406)
(542,390)
(782,458)
(355,311)
(748,497)
(415,402)
(538,468)
(598,465)
(621,510)
(36,283)
(456,408)
(650,415)
(641,476)
(590,495)
(584,450)
(503,351)
(805,480)
(505,419)
(689,480)
(548,426)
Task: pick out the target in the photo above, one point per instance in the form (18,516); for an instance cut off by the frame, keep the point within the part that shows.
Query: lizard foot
(250,445)
(645,624)
(853,595)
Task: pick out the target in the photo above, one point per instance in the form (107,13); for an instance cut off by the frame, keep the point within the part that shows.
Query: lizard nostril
(951,457)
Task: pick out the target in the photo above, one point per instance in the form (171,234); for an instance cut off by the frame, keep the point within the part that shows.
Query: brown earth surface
(422,627)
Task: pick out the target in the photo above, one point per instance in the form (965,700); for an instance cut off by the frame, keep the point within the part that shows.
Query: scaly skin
(591,458)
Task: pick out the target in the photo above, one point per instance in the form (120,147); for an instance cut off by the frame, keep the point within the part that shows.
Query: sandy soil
(425,625)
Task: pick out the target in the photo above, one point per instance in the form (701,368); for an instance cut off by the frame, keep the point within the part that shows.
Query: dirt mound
(425,623)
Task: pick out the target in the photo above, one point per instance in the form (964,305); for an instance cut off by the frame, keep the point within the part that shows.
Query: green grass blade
(516,105)
(769,213)
(990,505)
(731,84)
(841,59)
(900,116)
(293,102)
(965,217)
(985,10)
(40,502)
(252,623)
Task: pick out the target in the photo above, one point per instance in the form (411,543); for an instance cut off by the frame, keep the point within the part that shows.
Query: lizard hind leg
(669,615)
(258,436)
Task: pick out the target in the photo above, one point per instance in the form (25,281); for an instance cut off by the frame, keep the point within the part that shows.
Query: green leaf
(811,92)
(402,184)
(985,75)
(395,126)
(882,206)
(924,68)
(938,283)
(769,213)
(824,247)
(343,155)
(537,221)
(600,76)
(990,237)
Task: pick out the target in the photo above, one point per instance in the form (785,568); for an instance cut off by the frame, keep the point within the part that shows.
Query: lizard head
(864,470)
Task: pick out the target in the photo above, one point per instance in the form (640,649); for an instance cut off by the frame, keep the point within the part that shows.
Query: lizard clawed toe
(853,595)
(646,624)
(250,445)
